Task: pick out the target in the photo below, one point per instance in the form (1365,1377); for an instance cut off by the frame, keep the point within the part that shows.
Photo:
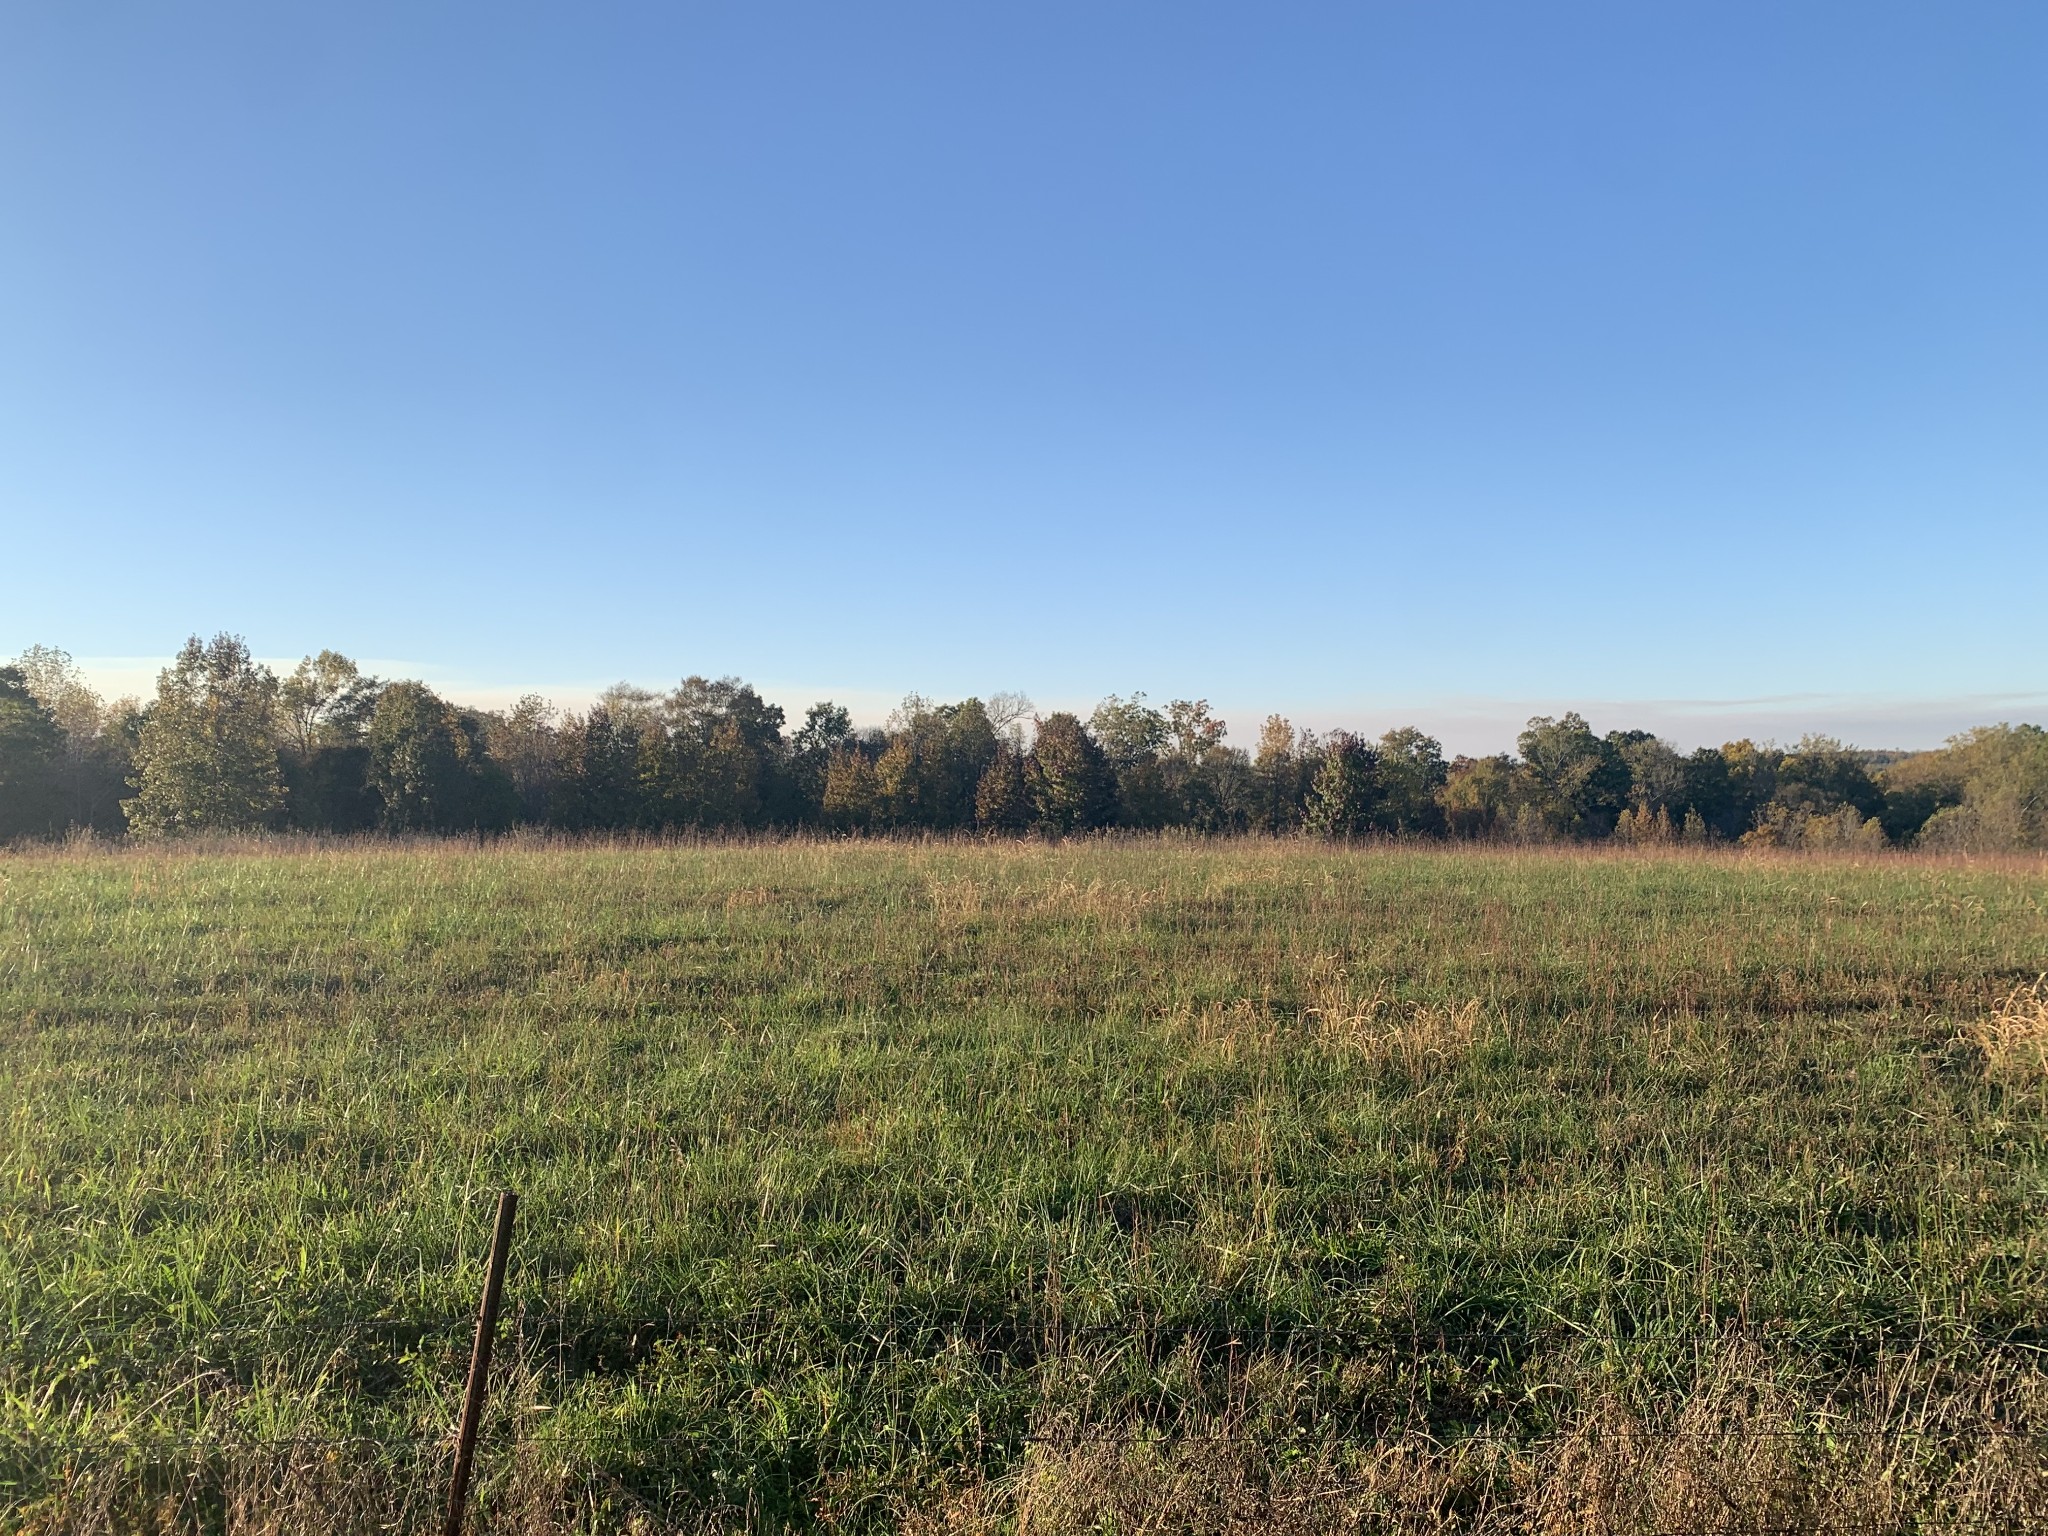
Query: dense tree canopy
(429,767)
(97,740)
(31,802)
(207,756)
(225,745)
(1346,797)
(1073,787)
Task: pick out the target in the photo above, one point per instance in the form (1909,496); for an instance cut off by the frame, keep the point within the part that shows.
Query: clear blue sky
(1356,360)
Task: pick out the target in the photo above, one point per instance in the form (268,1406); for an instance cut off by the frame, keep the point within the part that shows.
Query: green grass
(870,1184)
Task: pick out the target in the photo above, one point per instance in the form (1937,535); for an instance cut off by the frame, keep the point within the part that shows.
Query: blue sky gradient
(1683,363)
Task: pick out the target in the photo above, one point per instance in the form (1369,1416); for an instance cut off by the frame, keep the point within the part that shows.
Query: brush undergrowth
(1141,1186)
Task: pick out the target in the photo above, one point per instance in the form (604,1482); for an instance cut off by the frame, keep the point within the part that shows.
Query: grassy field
(1100,1187)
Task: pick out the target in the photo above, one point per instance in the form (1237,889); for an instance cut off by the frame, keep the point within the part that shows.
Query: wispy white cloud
(1470,724)
(1478,725)
(117,676)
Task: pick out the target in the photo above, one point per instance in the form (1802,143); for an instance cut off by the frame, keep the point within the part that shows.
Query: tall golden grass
(2013,1037)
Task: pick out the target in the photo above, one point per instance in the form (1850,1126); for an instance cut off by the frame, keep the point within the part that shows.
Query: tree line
(226,745)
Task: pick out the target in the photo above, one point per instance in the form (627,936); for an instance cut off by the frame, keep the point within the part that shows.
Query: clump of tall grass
(2013,1037)
(961,899)
(1415,1036)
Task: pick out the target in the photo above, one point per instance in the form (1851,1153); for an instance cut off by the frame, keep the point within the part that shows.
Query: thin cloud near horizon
(1471,724)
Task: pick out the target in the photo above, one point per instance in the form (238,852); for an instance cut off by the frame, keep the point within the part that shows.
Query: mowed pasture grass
(1037,1187)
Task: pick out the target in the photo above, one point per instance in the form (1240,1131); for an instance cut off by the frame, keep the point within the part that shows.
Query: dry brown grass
(315,1488)
(1725,1469)
(1740,1459)
(1416,1037)
(1604,1482)
(1736,1453)
(1112,905)
(2013,1038)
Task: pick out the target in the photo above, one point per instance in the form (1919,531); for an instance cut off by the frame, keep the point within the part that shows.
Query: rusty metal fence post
(480,1365)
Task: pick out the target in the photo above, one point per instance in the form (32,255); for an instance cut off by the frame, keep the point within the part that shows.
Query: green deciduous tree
(1577,784)
(1821,775)
(31,754)
(1656,773)
(1002,801)
(206,756)
(323,720)
(2002,777)
(1345,801)
(1206,783)
(736,777)
(850,794)
(1710,794)
(1916,787)
(1073,788)
(1282,769)
(1479,796)
(1133,736)
(931,770)
(1145,796)
(428,766)
(712,756)
(526,741)
(98,748)
(597,773)
(1411,772)
(827,727)
(327,701)
(1822,796)
(1129,730)
(1192,732)
(1752,769)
